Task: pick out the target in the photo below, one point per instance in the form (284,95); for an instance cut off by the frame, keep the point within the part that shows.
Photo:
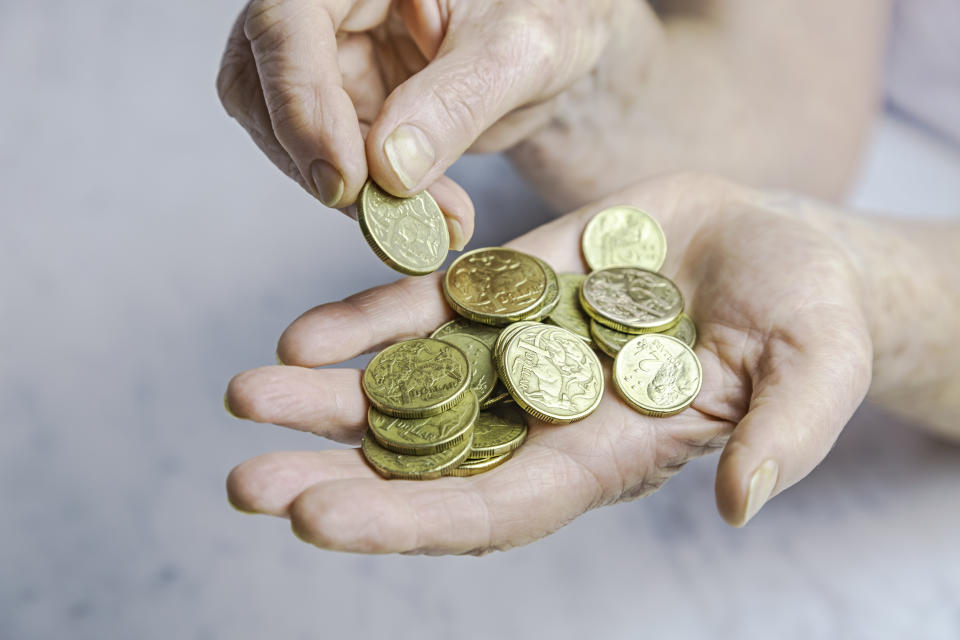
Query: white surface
(147,253)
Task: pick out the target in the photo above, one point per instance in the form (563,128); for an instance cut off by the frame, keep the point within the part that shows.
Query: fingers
(457,210)
(238,87)
(808,386)
(338,331)
(486,66)
(295,49)
(328,403)
(526,498)
(269,483)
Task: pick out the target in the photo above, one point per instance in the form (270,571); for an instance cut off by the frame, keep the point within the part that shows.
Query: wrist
(909,276)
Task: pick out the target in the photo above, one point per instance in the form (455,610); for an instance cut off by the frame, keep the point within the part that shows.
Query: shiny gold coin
(482,332)
(483,373)
(631,300)
(568,312)
(624,237)
(423,436)
(409,234)
(500,394)
(552,296)
(657,375)
(498,431)
(552,374)
(610,341)
(495,286)
(506,334)
(480,465)
(397,465)
(416,378)
(684,330)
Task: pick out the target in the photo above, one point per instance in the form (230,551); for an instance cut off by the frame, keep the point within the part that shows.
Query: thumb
(486,66)
(805,390)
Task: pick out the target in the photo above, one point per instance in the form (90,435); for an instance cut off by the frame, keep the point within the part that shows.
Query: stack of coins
(425,419)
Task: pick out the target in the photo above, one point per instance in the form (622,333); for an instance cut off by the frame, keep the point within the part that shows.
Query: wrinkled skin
(786,355)
(321,85)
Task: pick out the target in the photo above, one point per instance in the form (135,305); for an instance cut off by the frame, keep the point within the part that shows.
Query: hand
(786,357)
(420,80)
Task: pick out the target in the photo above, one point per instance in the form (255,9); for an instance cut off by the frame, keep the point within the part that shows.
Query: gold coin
(498,431)
(480,465)
(482,332)
(684,330)
(609,340)
(658,375)
(552,296)
(624,237)
(631,300)
(483,373)
(416,378)
(409,234)
(500,394)
(423,436)
(552,374)
(397,465)
(568,312)
(506,334)
(495,286)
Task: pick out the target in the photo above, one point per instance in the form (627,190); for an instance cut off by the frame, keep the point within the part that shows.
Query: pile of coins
(526,342)
(635,315)
(425,416)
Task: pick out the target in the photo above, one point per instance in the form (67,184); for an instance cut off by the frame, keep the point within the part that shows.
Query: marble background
(148,252)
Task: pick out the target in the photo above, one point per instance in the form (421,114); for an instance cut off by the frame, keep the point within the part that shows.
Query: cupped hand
(334,91)
(786,357)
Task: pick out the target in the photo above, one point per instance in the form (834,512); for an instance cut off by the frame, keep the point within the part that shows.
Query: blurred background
(148,252)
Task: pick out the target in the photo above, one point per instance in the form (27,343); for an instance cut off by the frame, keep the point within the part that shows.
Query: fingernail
(226,406)
(457,241)
(761,486)
(327,182)
(409,153)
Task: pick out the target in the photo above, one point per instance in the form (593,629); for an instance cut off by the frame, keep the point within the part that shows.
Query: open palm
(786,360)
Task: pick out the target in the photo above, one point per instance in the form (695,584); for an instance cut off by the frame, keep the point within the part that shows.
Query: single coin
(657,375)
(506,334)
(610,341)
(390,464)
(498,431)
(416,378)
(480,465)
(423,436)
(684,330)
(409,234)
(482,332)
(495,286)
(552,296)
(552,374)
(568,312)
(500,394)
(624,237)
(483,373)
(631,300)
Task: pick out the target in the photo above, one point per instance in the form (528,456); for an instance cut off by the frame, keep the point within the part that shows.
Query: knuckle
(295,112)
(462,101)
(263,18)
(529,37)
